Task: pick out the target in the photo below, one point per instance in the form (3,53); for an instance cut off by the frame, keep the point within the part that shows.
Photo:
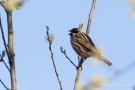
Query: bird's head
(75,31)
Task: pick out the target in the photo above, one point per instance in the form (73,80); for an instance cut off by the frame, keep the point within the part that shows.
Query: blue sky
(112,28)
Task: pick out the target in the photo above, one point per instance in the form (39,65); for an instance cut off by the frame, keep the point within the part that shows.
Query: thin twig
(69,59)
(4,41)
(1,2)
(77,78)
(87,32)
(50,48)
(5,64)
(4,85)
(90,16)
(122,71)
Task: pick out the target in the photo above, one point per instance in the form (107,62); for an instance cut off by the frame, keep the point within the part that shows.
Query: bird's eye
(76,31)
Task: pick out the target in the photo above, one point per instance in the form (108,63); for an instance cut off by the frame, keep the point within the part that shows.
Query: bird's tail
(106,61)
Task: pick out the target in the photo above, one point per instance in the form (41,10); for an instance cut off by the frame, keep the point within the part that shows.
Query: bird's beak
(69,34)
(69,30)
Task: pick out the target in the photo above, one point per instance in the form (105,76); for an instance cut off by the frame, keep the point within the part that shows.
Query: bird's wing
(90,40)
(85,40)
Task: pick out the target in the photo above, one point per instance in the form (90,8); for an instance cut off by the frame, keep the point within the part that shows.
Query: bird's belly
(83,53)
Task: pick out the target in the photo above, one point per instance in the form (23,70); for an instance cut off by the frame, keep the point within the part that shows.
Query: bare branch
(4,41)
(50,48)
(90,16)
(120,72)
(87,32)
(4,85)
(64,52)
(69,59)
(78,74)
(77,78)
(2,60)
(5,64)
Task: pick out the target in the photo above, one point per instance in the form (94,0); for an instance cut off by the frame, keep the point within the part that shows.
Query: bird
(84,46)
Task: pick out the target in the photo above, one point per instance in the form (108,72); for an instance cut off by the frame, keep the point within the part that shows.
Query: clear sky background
(112,28)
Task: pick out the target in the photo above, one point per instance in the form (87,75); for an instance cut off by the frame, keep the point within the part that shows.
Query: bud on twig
(81,24)
(3,53)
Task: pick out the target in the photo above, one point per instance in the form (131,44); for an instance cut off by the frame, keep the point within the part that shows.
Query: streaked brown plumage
(84,46)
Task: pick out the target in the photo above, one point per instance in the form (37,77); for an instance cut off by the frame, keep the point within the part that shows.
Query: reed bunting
(84,46)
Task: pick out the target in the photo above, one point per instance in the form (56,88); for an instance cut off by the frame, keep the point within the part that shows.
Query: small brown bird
(84,46)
